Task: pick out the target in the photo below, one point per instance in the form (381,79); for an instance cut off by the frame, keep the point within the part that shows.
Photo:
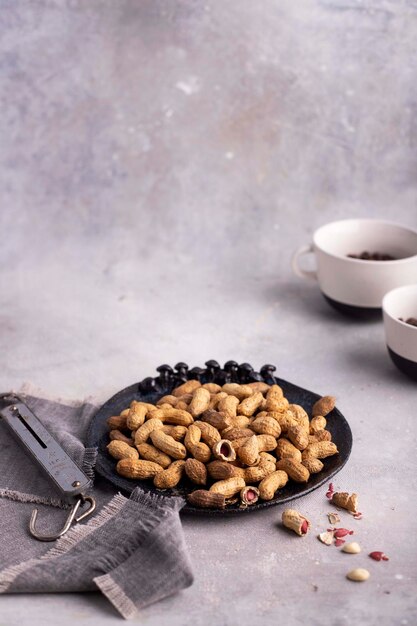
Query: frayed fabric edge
(116,596)
(155,509)
(20,496)
(64,543)
(156,500)
(9,575)
(79,532)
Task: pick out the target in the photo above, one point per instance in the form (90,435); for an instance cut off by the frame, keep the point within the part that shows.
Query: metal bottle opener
(66,476)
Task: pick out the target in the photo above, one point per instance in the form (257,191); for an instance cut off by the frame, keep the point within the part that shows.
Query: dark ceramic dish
(151,389)
(405,365)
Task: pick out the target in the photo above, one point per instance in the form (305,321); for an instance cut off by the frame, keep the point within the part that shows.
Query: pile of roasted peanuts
(228,440)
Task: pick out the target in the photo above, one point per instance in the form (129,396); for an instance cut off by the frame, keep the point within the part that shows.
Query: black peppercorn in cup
(359,260)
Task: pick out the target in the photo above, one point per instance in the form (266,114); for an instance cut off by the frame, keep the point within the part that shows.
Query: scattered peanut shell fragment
(345,500)
(358,575)
(333,518)
(326,537)
(324,406)
(293,520)
(249,495)
(206,499)
(352,547)
(224,451)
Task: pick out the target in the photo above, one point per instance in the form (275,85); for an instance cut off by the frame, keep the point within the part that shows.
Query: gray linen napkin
(132,549)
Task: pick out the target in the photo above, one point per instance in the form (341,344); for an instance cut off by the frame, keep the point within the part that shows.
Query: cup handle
(298,271)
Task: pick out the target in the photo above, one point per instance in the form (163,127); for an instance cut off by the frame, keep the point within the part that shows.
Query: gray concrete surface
(160,161)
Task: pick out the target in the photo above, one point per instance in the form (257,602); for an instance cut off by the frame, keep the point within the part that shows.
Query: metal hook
(70,519)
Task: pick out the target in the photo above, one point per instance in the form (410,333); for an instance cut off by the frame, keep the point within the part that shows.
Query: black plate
(151,389)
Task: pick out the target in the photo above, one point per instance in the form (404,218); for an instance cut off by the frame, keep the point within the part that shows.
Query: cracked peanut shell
(344,500)
(293,520)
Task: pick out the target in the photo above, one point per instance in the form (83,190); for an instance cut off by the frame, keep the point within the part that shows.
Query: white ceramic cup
(401,337)
(355,283)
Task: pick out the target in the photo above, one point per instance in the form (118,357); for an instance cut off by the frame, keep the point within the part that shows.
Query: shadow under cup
(355,286)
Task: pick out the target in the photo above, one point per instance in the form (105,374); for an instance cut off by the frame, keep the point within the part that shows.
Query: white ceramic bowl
(401,337)
(354,285)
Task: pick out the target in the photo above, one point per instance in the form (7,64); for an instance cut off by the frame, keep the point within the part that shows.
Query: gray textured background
(159,162)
